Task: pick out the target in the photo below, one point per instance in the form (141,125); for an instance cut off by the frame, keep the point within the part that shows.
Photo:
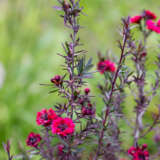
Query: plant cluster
(72,130)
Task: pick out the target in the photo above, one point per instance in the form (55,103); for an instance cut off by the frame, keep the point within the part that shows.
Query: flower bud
(89,105)
(87,91)
(57,80)
(144,146)
(66,5)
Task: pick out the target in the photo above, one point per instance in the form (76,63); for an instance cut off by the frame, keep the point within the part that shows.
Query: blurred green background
(31,33)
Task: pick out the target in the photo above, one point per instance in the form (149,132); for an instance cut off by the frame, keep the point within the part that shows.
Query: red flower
(45,117)
(136,19)
(106,65)
(139,153)
(60,149)
(150,15)
(33,139)
(63,126)
(158,23)
(153,26)
(87,90)
(57,80)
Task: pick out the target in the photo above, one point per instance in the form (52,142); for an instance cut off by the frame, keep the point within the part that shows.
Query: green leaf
(80,66)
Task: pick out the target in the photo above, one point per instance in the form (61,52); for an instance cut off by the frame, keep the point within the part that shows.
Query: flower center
(101,66)
(62,127)
(44,116)
(141,157)
(32,140)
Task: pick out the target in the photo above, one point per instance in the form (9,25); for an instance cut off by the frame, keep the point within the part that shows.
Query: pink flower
(136,19)
(106,65)
(153,26)
(87,90)
(57,80)
(139,153)
(33,139)
(150,15)
(45,117)
(63,126)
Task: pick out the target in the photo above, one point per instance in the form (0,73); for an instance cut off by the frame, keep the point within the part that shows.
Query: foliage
(30,93)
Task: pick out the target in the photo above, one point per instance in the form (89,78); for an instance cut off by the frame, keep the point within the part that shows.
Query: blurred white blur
(2,75)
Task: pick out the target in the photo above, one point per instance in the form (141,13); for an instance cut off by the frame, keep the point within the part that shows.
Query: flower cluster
(148,17)
(57,139)
(87,108)
(139,153)
(48,118)
(106,66)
